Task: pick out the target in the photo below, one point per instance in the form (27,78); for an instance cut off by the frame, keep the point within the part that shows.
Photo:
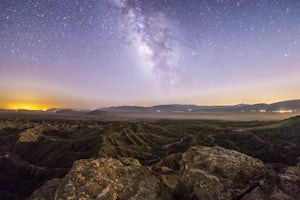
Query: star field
(96,53)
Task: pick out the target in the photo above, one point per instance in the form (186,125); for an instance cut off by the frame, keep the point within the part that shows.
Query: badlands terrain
(47,157)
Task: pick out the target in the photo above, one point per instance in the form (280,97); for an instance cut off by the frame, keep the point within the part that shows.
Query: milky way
(152,37)
(96,53)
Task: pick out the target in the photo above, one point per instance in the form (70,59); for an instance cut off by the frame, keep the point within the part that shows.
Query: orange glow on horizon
(27,106)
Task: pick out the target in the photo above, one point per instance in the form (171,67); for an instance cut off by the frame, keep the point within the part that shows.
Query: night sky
(98,53)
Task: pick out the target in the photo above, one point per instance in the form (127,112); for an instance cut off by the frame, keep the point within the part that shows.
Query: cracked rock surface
(205,173)
(217,173)
(108,178)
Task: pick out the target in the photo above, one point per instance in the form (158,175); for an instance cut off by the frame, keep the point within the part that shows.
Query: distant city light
(273,111)
(284,111)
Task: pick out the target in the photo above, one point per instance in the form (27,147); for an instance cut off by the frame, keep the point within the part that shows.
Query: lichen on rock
(108,178)
(217,173)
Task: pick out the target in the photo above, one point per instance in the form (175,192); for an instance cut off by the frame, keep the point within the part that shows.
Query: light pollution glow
(27,106)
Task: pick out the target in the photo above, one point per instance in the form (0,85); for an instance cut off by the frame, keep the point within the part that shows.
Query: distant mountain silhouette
(278,106)
(291,105)
(284,105)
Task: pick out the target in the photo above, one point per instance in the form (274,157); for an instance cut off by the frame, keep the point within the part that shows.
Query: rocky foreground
(199,173)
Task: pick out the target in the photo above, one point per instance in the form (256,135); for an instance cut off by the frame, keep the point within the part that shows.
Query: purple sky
(97,53)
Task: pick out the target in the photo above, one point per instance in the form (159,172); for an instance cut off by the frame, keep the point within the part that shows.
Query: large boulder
(218,173)
(106,178)
(199,173)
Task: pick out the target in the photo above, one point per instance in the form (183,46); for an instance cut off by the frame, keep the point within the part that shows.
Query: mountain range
(291,106)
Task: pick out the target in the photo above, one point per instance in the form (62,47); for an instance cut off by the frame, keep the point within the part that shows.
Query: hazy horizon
(45,107)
